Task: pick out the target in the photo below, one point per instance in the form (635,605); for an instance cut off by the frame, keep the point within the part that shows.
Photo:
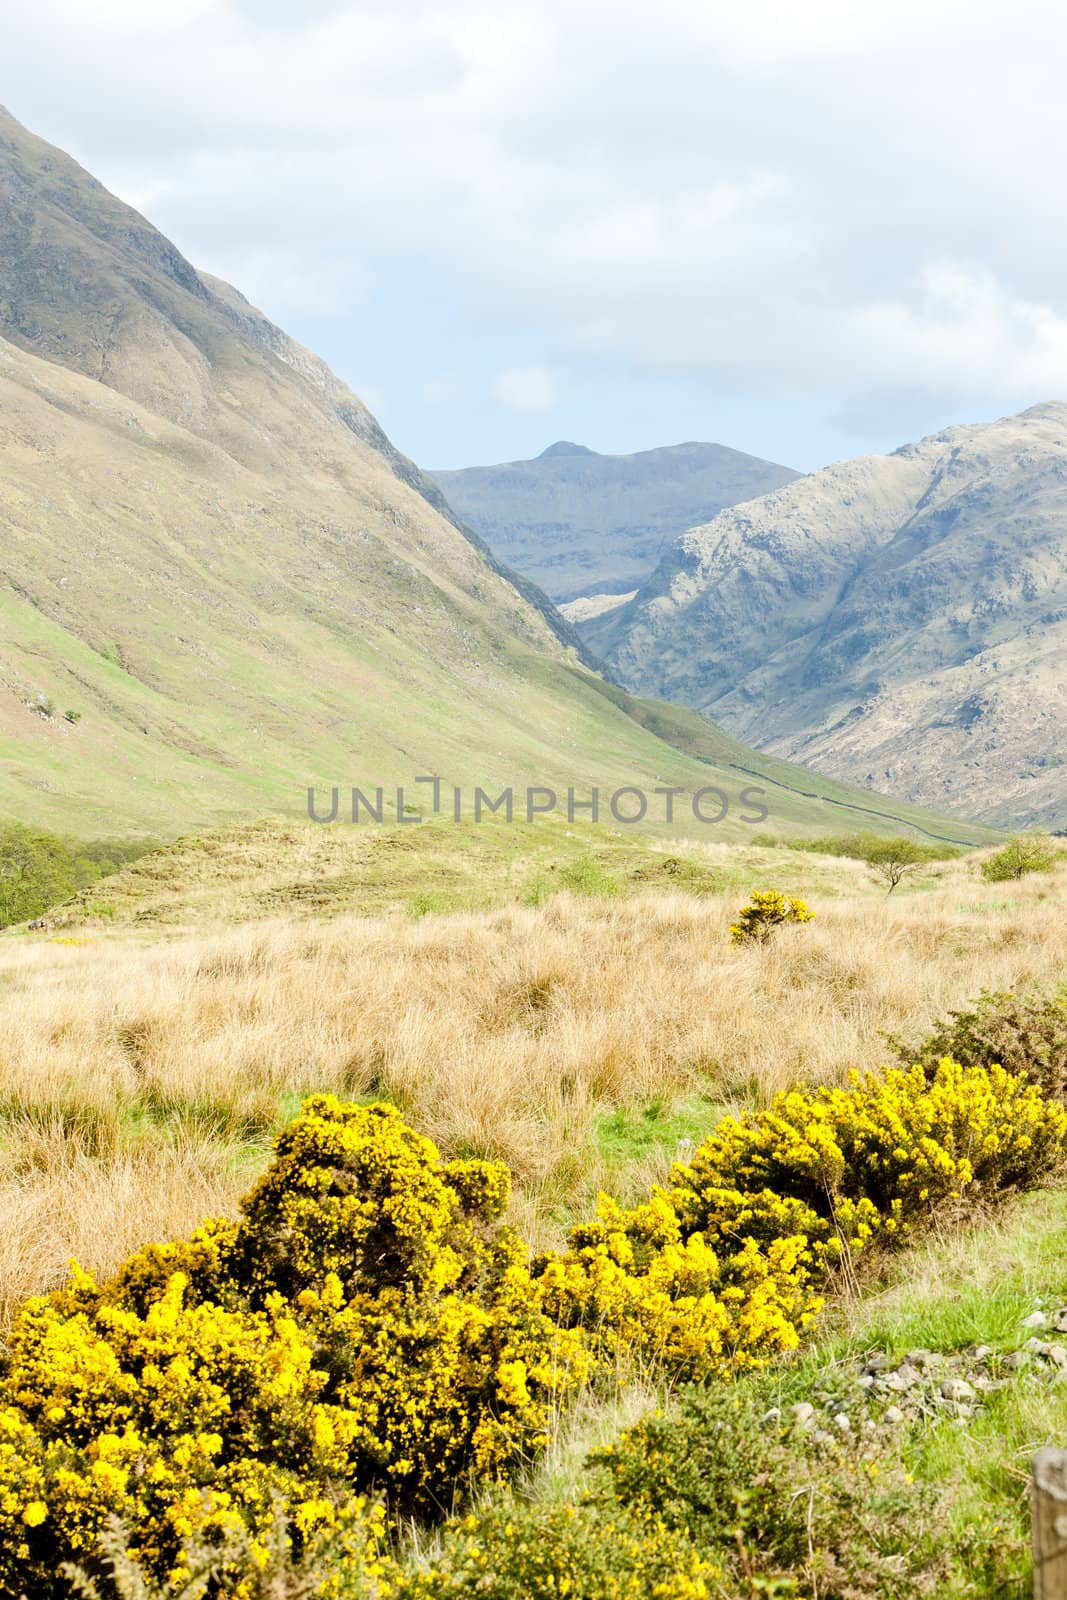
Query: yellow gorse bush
(369,1323)
(766,910)
(839,1165)
(645,1287)
(724,1265)
(370,1329)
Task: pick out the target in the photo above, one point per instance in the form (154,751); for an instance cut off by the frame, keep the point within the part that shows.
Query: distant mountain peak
(580,523)
(564,447)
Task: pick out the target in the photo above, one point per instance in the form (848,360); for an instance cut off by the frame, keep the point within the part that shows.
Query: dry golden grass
(141,1080)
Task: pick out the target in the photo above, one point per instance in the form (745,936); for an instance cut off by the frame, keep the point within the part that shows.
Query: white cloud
(284,278)
(532,390)
(780,199)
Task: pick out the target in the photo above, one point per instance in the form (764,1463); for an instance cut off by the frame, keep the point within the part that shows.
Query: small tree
(1027,852)
(893,859)
(34,872)
(765,912)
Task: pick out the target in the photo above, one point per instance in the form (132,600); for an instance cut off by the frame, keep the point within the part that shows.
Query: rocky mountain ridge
(897,621)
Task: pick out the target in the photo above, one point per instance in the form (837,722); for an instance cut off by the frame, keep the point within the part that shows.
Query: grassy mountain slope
(212,553)
(898,621)
(215,562)
(580,523)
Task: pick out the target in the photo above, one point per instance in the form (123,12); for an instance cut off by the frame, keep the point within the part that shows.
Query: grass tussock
(144,1080)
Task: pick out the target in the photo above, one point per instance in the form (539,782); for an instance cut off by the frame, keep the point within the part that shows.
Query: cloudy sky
(803,229)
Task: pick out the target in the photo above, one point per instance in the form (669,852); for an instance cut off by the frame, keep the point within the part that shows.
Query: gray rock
(905,1377)
(842,1423)
(1037,1319)
(894,1415)
(774,1415)
(804,1413)
(1016,1359)
(982,1352)
(867,1381)
(1057,1355)
(957,1389)
(1059,1320)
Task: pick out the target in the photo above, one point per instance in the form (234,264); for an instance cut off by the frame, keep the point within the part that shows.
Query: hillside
(579,523)
(220,582)
(898,621)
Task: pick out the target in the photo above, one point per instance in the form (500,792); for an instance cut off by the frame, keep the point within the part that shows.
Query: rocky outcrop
(898,621)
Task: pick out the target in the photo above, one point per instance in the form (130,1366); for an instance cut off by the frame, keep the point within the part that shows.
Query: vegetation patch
(1024,1031)
(1031,852)
(39,870)
(370,1326)
(767,910)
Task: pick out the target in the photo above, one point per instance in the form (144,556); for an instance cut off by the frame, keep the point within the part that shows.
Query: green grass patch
(968,1287)
(632,1134)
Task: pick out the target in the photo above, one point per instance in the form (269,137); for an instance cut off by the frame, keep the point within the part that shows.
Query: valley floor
(575,1013)
(147,1067)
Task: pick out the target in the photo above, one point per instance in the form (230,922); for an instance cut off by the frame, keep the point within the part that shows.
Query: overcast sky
(805,228)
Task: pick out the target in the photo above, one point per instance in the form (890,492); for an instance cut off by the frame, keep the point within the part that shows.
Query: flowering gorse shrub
(766,911)
(370,1331)
(839,1165)
(368,1325)
(692,1301)
(725,1265)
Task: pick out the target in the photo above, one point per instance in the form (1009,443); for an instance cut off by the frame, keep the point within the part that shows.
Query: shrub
(840,1165)
(368,1323)
(766,911)
(370,1327)
(723,1268)
(773,1509)
(1030,852)
(1024,1032)
(690,1302)
(519,1552)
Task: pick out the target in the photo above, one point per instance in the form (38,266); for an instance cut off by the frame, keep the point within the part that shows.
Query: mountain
(897,621)
(220,583)
(582,524)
